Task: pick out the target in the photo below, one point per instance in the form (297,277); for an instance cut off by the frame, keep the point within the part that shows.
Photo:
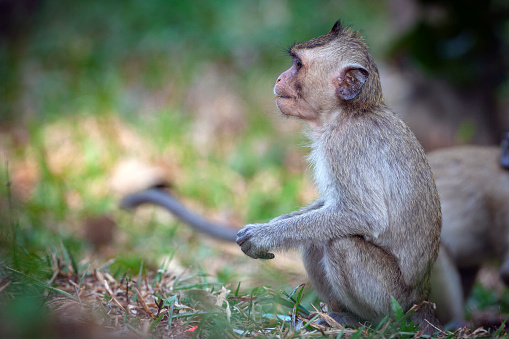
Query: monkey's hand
(250,241)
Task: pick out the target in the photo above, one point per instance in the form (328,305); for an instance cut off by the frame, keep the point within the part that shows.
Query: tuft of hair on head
(337,31)
(340,29)
(337,28)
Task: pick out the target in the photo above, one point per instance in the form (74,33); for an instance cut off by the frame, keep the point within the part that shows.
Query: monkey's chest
(324,181)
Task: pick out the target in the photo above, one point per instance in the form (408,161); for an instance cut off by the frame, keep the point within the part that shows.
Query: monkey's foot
(342,318)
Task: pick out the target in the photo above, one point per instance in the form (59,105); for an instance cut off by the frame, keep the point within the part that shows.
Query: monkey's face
(297,88)
(319,82)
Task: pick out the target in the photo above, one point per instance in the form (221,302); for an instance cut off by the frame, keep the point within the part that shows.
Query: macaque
(474,195)
(474,191)
(374,232)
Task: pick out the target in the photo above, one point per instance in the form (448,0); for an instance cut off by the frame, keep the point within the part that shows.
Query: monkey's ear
(350,81)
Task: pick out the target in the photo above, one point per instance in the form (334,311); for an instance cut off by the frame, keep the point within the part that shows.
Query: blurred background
(102,98)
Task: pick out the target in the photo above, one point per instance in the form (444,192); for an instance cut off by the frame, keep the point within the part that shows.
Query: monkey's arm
(318,203)
(165,200)
(318,225)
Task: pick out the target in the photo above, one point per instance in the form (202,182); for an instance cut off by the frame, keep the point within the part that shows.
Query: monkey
(374,231)
(473,186)
(474,196)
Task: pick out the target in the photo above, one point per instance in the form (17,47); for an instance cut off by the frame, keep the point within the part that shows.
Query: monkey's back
(383,177)
(474,192)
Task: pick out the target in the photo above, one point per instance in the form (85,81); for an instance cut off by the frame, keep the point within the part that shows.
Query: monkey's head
(330,75)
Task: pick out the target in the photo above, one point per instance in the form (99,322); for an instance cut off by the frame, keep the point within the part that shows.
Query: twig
(104,282)
(141,300)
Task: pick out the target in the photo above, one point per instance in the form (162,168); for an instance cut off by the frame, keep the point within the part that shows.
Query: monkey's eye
(298,63)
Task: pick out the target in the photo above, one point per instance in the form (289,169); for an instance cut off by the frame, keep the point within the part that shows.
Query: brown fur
(374,231)
(474,191)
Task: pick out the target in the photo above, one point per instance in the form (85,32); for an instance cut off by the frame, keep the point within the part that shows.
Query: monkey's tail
(164,199)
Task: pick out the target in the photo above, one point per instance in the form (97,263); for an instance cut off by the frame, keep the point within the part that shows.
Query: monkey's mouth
(278,96)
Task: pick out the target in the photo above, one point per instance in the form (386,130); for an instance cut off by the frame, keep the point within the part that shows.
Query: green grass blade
(42,285)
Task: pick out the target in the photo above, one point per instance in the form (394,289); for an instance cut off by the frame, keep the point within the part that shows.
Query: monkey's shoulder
(381,149)
(378,132)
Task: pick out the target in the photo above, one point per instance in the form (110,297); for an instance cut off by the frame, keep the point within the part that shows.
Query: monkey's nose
(278,80)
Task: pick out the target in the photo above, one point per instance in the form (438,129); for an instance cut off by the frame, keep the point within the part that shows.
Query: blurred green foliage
(82,56)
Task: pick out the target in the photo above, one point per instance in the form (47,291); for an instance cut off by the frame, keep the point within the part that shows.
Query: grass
(89,88)
(162,304)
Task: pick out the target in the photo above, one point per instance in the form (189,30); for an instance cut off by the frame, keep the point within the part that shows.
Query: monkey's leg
(312,257)
(468,276)
(364,276)
(446,288)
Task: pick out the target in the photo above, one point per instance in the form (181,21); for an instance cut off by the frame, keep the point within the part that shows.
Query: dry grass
(162,304)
